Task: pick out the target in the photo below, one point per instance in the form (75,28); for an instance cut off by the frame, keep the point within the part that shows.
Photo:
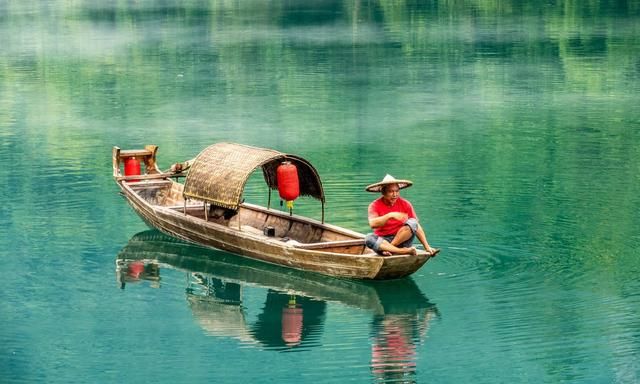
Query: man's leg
(404,234)
(384,247)
(410,229)
(422,237)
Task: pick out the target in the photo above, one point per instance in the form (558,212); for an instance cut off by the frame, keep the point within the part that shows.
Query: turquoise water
(518,124)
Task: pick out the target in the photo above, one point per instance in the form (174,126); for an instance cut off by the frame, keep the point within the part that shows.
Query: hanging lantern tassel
(288,183)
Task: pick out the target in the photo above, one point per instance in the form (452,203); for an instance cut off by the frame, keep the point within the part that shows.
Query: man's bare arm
(379,221)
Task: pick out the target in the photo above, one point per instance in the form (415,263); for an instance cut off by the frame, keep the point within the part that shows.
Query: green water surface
(518,123)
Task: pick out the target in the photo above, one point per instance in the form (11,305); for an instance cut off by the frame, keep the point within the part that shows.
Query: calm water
(519,125)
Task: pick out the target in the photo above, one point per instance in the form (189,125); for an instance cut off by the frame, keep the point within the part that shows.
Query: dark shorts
(373,241)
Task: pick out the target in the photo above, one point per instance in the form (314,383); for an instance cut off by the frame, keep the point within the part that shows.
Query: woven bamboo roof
(219,173)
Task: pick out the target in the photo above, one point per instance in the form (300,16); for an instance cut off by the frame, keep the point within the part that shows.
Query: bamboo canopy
(219,173)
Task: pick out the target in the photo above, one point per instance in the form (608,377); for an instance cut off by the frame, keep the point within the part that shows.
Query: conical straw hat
(388,179)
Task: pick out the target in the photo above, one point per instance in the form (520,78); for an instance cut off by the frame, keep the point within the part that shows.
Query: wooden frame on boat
(208,210)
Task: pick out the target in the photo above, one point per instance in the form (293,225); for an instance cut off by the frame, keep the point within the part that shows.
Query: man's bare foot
(409,251)
(402,251)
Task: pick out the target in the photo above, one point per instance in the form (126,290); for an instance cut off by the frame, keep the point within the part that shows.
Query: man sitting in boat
(394,221)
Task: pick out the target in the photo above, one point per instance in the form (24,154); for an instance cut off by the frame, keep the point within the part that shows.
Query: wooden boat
(208,209)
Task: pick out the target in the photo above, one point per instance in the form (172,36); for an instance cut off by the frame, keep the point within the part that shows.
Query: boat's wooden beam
(149,177)
(134,153)
(331,244)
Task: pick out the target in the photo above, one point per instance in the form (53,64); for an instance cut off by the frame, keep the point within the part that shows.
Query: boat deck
(272,225)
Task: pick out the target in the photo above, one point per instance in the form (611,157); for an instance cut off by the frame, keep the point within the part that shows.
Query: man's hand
(398,216)
(378,221)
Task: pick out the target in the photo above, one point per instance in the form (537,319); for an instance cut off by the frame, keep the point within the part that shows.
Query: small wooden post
(116,161)
(206,218)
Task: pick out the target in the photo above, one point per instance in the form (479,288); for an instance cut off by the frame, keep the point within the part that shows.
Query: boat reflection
(294,309)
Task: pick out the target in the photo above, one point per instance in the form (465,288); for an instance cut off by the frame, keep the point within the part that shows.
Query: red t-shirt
(379,208)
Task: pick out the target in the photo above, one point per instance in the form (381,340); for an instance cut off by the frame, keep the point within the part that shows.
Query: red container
(132,167)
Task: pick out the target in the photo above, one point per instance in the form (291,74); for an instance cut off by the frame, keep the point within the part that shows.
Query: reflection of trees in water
(458,30)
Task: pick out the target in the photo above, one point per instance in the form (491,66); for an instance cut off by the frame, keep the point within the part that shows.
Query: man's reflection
(393,349)
(398,330)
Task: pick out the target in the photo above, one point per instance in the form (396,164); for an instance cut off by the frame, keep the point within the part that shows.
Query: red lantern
(131,167)
(292,318)
(288,184)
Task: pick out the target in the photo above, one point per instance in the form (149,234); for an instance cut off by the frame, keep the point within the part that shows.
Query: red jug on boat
(132,167)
